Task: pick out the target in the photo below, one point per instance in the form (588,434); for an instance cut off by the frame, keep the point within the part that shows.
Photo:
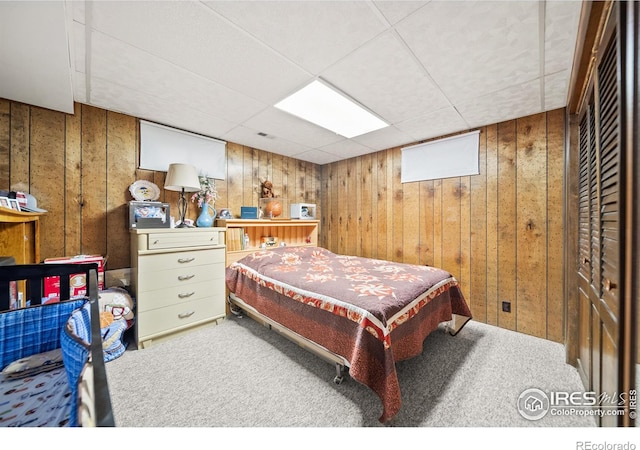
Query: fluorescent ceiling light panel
(326,107)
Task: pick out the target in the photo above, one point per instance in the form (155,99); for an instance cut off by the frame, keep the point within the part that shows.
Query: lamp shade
(182,176)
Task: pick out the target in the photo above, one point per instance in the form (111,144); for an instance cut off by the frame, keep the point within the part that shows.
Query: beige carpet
(241,374)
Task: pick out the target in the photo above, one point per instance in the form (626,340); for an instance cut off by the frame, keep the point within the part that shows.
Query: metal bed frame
(238,307)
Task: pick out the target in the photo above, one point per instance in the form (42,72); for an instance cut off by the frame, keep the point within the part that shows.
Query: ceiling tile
(286,126)
(77,37)
(313,34)
(555,90)
(251,138)
(470,49)
(385,138)
(510,103)
(434,124)
(120,63)
(194,37)
(561,29)
(79,87)
(346,149)
(385,77)
(394,12)
(121,99)
(318,157)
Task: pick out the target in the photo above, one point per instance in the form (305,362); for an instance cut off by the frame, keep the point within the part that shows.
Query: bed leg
(339,374)
(235,310)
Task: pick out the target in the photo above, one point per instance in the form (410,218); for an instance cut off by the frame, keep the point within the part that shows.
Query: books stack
(236,239)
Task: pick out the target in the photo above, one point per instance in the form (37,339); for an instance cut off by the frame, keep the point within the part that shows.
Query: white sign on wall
(455,156)
(161,145)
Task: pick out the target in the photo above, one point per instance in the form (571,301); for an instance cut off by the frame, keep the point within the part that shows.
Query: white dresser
(178,279)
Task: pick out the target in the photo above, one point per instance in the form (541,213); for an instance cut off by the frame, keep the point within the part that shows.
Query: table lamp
(182,178)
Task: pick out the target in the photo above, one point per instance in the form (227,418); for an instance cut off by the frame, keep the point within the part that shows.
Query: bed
(362,314)
(51,354)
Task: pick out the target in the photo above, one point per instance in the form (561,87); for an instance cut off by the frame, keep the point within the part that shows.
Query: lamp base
(182,209)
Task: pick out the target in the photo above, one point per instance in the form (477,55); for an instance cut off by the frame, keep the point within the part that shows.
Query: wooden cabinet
(20,238)
(246,235)
(178,279)
(20,235)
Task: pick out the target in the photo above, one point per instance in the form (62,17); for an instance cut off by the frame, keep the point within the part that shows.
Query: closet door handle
(609,285)
(185,260)
(185,315)
(185,277)
(186,295)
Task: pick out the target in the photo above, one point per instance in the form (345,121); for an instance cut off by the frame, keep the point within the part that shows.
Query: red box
(78,282)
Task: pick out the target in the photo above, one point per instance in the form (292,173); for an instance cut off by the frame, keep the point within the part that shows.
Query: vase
(206,217)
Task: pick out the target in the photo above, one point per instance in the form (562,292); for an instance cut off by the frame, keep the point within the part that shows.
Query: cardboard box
(78,282)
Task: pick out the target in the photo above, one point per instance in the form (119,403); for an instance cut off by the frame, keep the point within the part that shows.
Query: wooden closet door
(587,233)
(603,287)
(599,230)
(608,276)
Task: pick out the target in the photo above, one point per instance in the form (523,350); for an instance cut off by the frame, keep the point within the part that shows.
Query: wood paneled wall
(499,233)
(80,166)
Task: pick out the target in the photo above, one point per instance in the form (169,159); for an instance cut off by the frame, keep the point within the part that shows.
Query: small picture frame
(4,202)
(14,204)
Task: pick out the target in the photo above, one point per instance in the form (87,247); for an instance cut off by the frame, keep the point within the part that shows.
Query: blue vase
(206,217)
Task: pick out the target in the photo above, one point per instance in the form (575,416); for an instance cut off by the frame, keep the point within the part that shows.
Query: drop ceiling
(216,68)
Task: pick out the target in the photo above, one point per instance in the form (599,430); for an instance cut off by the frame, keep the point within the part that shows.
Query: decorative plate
(144,190)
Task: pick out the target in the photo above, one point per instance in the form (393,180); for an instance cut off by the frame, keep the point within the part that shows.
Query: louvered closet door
(599,232)
(587,180)
(607,280)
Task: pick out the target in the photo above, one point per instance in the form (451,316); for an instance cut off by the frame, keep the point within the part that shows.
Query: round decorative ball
(273,208)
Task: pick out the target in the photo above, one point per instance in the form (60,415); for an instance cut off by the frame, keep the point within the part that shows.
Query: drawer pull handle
(185,277)
(609,285)
(185,315)
(183,295)
(156,241)
(185,260)
(585,260)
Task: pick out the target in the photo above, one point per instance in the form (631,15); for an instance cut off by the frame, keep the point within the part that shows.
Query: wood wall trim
(594,17)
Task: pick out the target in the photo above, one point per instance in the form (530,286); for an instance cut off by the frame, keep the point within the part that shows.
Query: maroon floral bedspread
(371,312)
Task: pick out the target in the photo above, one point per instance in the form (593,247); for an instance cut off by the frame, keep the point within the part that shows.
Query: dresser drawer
(151,280)
(157,241)
(176,260)
(160,298)
(163,320)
